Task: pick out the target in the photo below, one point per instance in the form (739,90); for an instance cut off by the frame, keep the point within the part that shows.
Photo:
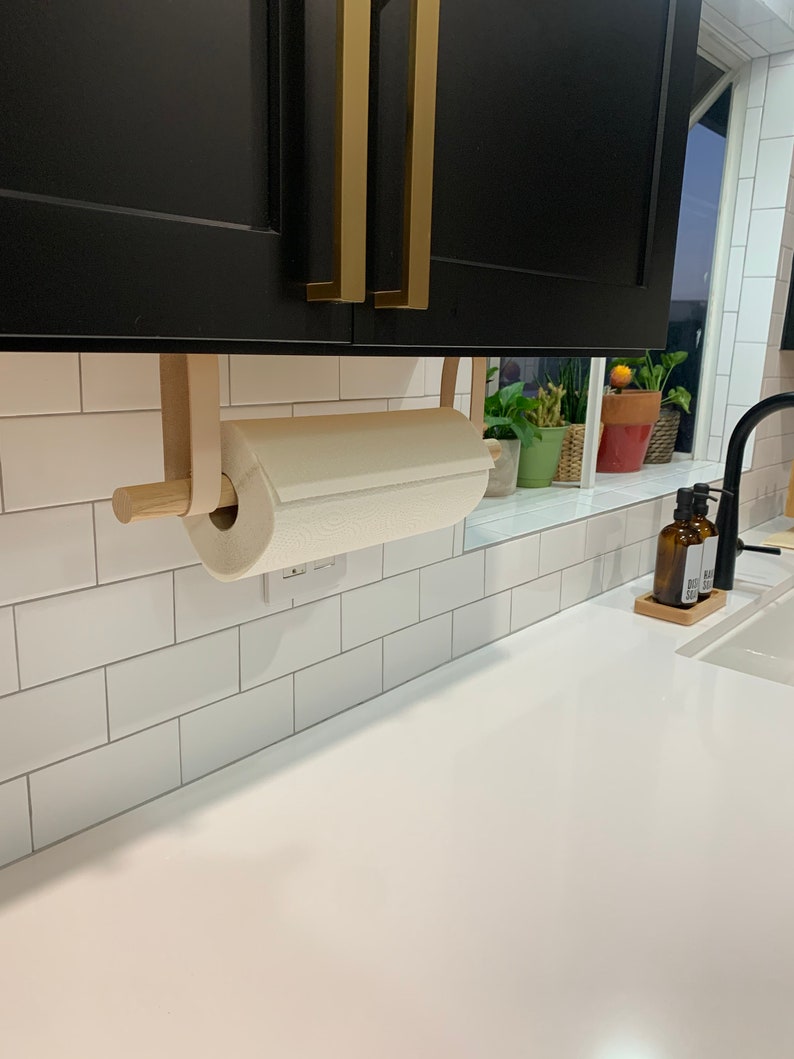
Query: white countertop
(573,844)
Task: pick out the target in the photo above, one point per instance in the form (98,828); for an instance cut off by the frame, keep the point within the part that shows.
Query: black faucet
(728,513)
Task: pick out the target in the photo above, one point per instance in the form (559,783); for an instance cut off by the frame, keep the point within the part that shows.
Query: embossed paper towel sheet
(323,485)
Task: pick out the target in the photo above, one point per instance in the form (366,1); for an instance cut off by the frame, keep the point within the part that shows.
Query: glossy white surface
(573,844)
(763,646)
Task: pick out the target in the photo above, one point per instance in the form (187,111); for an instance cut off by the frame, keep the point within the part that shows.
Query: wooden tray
(648,606)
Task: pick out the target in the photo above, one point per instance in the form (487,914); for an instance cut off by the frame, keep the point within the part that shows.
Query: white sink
(762,646)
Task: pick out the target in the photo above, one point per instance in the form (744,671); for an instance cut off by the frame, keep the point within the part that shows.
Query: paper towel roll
(317,486)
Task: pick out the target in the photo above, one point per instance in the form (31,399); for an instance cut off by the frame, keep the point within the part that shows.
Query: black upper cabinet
(560,137)
(152,161)
(167,172)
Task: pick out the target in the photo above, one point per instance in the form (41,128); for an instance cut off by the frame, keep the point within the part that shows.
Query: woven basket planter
(569,468)
(662,443)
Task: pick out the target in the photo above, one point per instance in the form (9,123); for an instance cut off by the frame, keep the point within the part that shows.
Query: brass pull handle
(419,144)
(350,157)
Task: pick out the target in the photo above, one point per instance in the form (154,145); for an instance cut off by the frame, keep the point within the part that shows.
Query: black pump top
(684,501)
(701,501)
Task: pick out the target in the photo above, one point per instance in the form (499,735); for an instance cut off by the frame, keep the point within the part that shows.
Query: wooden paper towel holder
(191,418)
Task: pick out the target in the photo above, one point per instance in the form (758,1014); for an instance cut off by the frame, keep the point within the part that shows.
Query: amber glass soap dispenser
(679,557)
(709,535)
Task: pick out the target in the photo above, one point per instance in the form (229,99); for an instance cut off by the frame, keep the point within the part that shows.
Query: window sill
(529,510)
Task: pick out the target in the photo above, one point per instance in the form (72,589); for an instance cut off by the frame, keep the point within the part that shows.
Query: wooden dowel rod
(133,503)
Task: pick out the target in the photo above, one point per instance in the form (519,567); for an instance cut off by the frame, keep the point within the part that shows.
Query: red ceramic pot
(628,419)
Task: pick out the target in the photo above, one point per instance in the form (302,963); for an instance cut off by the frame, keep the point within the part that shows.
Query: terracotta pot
(631,408)
(628,419)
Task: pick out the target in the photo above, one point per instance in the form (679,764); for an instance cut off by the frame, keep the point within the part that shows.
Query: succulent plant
(547,411)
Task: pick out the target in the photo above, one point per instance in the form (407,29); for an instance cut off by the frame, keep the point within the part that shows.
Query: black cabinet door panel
(151,172)
(560,136)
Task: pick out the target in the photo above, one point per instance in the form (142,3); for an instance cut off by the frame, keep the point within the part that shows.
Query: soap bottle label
(709,562)
(694,563)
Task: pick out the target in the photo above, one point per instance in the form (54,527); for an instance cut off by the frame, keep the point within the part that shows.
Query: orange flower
(620,376)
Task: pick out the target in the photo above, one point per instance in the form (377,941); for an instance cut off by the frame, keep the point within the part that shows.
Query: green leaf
(672,360)
(679,396)
(491,372)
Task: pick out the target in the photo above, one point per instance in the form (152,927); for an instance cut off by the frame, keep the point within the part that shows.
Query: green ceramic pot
(537,463)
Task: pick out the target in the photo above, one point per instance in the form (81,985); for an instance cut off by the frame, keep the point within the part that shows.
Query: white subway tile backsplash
(51,460)
(511,563)
(772,176)
(327,408)
(433,368)
(714,447)
(256,411)
(750,137)
(755,310)
(562,546)
(535,601)
(203,604)
(421,550)
(642,521)
(55,721)
(647,561)
(741,215)
(67,634)
(154,687)
(46,551)
(733,281)
(757,88)
(763,243)
(727,339)
(719,403)
(235,727)
(480,623)
(778,111)
(399,404)
(748,370)
(621,566)
(373,611)
(416,650)
(284,379)
(83,790)
(451,584)
(282,643)
(582,582)
(605,533)
(116,381)
(381,377)
(341,682)
(8,660)
(14,821)
(37,383)
(139,548)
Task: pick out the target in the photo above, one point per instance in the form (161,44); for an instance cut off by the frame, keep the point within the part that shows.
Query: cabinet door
(151,165)
(560,136)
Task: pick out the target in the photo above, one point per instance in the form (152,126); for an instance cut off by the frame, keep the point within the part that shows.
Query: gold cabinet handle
(350,157)
(419,143)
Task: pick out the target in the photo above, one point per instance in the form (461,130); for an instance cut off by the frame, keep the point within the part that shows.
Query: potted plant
(575,382)
(538,461)
(653,376)
(505,420)
(628,417)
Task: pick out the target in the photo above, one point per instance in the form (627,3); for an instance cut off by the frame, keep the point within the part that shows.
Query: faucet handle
(742,547)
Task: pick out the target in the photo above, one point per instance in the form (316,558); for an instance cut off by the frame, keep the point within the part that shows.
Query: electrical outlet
(305,580)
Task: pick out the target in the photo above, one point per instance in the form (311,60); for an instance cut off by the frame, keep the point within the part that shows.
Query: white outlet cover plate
(320,578)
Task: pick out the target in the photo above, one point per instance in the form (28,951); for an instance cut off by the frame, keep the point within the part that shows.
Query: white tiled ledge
(529,510)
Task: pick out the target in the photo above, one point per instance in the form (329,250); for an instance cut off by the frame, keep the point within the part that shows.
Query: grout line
(96,552)
(16,650)
(80,380)
(179,747)
(107,702)
(30,812)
